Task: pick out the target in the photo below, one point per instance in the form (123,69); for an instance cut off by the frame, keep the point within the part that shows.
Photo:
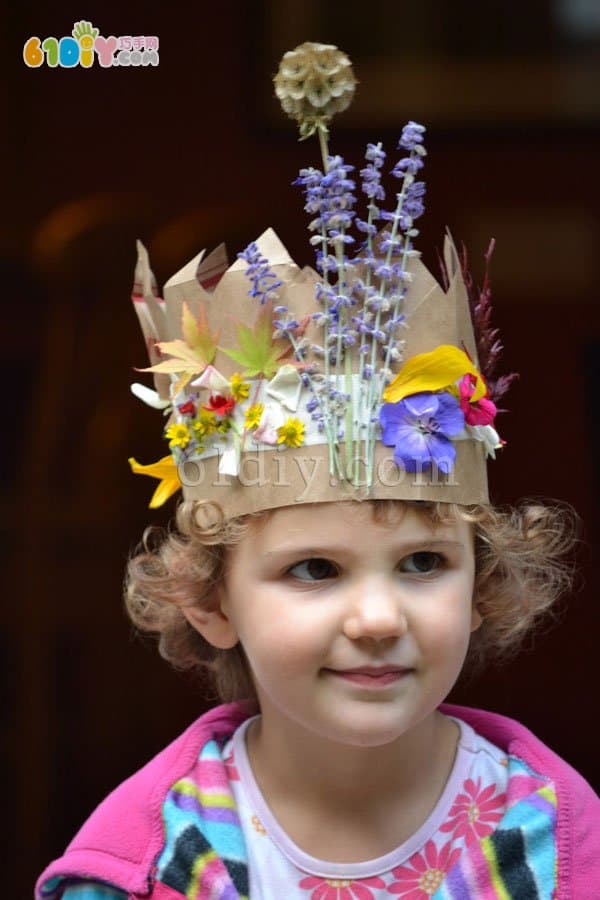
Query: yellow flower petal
(441,368)
(291,433)
(165,470)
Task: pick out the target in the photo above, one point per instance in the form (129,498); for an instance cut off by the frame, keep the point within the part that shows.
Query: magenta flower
(475,812)
(483,411)
(424,873)
(419,427)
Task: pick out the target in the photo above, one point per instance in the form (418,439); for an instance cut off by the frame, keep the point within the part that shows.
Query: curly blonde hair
(521,569)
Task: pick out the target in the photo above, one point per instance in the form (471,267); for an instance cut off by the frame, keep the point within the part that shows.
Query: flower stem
(332,427)
(324,146)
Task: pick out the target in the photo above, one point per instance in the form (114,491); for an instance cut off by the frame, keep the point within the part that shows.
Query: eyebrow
(404,549)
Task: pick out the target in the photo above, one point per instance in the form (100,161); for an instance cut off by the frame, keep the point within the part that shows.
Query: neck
(346,803)
(296,763)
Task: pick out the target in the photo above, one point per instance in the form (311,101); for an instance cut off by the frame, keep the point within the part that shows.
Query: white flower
(286,386)
(148,396)
(488,436)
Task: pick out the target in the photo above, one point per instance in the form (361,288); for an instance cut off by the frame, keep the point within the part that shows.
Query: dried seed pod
(314,82)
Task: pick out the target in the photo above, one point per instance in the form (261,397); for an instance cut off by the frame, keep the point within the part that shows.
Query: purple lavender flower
(371,176)
(375,154)
(408,164)
(412,134)
(420,427)
(330,195)
(365,227)
(263,279)
(413,200)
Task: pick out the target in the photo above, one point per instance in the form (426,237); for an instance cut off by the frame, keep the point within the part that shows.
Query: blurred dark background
(193,152)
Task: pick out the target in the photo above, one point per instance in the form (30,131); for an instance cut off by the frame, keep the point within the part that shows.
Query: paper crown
(286,385)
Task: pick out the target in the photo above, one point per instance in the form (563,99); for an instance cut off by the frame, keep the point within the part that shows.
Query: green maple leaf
(258,351)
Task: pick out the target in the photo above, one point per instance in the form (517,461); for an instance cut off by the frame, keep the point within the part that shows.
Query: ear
(213,625)
(476,618)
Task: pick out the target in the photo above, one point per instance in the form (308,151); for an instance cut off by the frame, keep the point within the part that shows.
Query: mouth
(372,676)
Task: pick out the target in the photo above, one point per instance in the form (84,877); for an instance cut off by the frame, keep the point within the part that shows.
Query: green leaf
(258,352)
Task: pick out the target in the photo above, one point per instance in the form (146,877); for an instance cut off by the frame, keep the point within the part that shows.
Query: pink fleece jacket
(123,838)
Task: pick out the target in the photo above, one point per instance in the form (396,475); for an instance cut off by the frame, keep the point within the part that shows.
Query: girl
(337,590)
(343,626)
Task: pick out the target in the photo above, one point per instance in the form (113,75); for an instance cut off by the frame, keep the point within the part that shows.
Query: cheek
(444,629)
(281,646)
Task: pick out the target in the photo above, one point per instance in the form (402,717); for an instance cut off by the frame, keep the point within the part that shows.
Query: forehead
(368,521)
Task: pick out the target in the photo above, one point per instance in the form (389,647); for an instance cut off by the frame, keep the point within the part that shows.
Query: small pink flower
(424,873)
(482,411)
(267,427)
(475,813)
(341,888)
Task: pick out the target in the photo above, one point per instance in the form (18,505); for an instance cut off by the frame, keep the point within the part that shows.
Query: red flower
(482,411)
(425,872)
(187,409)
(475,813)
(219,404)
(341,888)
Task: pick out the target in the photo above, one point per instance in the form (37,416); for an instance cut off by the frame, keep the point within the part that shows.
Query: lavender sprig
(264,281)
(330,195)
(372,187)
(393,278)
(372,327)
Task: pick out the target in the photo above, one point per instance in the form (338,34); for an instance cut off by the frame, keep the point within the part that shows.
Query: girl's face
(355,631)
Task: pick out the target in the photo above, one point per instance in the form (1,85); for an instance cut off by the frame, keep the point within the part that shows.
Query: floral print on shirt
(424,873)
(475,812)
(341,888)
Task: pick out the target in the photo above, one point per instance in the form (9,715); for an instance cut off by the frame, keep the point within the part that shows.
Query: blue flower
(420,427)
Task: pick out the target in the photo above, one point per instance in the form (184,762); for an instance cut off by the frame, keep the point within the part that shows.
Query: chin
(365,733)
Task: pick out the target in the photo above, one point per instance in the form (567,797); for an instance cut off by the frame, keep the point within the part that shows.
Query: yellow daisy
(205,423)
(239,388)
(178,435)
(291,433)
(252,415)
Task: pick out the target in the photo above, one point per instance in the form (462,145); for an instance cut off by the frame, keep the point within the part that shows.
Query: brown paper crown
(243,474)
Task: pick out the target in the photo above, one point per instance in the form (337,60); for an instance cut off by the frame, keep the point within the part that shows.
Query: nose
(375,611)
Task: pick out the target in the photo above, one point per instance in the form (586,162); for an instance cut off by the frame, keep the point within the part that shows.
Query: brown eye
(424,562)
(315,569)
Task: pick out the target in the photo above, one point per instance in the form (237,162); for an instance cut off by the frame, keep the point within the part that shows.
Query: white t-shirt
(469,809)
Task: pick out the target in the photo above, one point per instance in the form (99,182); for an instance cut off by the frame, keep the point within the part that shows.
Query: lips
(375,671)
(372,676)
